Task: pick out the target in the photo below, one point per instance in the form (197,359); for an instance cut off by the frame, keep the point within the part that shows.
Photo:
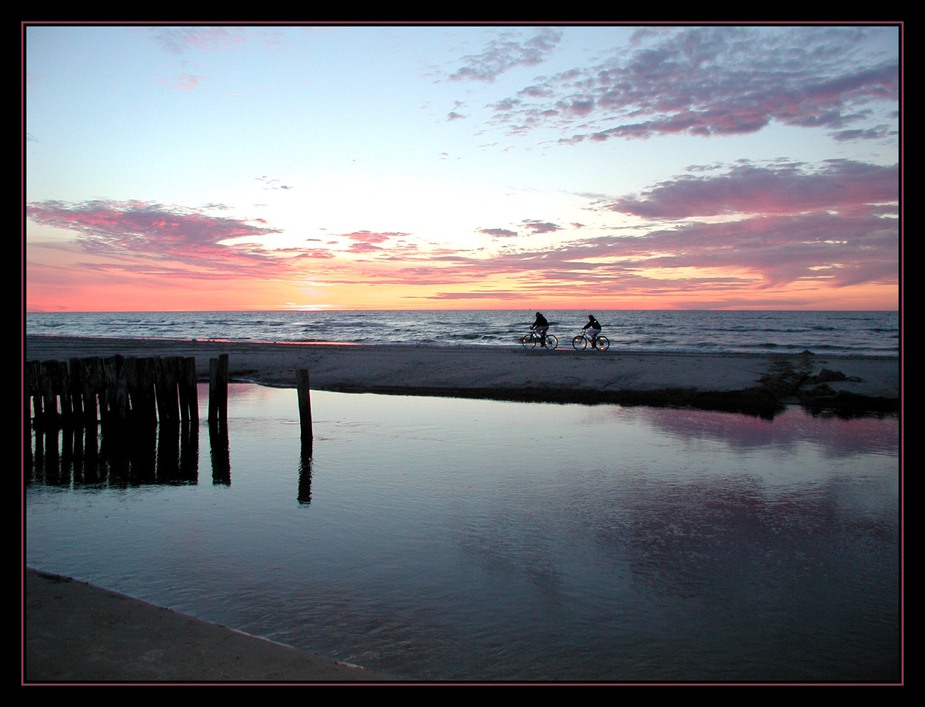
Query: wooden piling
(115,391)
(305,403)
(63,389)
(139,388)
(85,391)
(86,374)
(166,387)
(33,402)
(55,391)
(218,390)
(61,397)
(46,391)
(189,396)
(147,393)
(30,387)
(75,390)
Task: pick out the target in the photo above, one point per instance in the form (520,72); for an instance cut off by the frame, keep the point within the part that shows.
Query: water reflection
(472,540)
(220,448)
(305,471)
(155,453)
(838,435)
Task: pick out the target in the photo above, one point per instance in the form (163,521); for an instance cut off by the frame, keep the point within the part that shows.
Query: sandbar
(750,383)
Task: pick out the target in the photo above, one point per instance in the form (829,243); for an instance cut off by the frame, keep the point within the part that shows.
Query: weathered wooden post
(32,400)
(78,404)
(139,386)
(305,404)
(149,368)
(189,396)
(218,390)
(33,376)
(165,386)
(55,388)
(87,375)
(47,390)
(116,393)
(305,419)
(64,393)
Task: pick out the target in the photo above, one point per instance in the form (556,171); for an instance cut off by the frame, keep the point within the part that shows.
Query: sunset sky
(262,167)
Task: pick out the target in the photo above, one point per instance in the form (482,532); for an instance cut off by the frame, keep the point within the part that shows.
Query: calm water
(833,333)
(443,539)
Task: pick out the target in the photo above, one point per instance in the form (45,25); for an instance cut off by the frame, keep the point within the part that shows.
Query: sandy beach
(77,633)
(756,384)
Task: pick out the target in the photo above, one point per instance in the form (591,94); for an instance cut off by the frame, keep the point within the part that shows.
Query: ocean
(859,333)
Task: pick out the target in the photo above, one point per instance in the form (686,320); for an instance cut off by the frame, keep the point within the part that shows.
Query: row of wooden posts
(122,389)
(133,389)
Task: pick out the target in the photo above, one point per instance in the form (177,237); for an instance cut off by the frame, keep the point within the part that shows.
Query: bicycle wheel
(603,343)
(528,341)
(579,343)
(552,341)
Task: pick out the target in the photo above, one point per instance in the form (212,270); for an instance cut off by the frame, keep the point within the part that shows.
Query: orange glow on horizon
(55,282)
(365,297)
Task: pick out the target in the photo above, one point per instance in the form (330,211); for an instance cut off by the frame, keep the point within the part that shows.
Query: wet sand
(77,633)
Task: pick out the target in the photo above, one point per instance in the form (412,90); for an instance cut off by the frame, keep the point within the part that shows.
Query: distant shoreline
(757,384)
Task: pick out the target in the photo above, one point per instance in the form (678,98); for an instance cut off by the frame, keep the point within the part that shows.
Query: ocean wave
(835,333)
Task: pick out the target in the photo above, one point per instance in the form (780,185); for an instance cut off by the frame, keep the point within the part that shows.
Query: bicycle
(582,341)
(531,340)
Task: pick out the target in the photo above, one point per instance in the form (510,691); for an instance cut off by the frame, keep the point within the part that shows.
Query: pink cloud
(713,81)
(835,227)
(540,226)
(142,226)
(370,241)
(506,53)
(151,237)
(749,189)
(498,232)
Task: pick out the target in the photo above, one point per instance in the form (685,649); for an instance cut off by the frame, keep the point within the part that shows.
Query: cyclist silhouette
(594,329)
(540,326)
